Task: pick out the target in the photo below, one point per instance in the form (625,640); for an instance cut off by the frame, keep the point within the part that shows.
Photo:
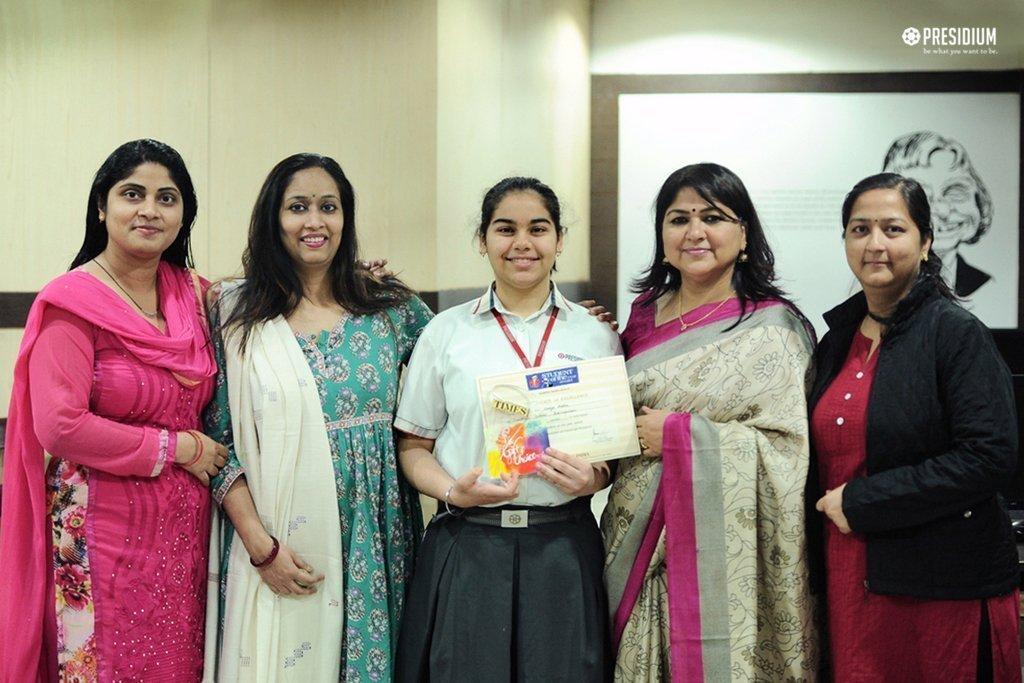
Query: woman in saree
(103,550)
(704,531)
(319,538)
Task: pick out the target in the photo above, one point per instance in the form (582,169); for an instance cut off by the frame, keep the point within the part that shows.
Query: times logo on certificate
(583,409)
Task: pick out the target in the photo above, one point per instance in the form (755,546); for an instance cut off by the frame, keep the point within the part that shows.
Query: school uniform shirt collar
(489,301)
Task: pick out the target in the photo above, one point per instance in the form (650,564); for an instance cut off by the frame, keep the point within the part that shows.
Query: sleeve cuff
(404,425)
(168,446)
(851,510)
(227,477)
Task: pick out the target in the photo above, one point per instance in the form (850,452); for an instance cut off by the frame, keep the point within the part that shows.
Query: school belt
(519,518)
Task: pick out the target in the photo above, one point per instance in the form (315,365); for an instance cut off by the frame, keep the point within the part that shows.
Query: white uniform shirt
(439,398)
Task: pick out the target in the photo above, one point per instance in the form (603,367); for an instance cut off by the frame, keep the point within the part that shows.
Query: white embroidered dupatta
(281,441)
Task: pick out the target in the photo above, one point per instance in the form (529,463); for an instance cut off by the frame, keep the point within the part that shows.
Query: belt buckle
(515,519)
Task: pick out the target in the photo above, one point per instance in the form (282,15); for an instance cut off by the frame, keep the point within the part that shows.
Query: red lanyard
(515,345)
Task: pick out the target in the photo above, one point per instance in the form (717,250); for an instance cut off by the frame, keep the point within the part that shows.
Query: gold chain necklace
(683,326)
(155,315)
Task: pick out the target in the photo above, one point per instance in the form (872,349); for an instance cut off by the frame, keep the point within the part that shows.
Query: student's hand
(467,492)
(213,459)
(288,574)
(571,474)
(601,313)
(650,425)
(832,505)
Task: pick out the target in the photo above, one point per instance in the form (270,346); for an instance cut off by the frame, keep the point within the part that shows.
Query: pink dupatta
(25,564)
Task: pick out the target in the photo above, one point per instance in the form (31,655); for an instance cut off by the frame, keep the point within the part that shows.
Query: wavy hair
(753,279)
(272,286)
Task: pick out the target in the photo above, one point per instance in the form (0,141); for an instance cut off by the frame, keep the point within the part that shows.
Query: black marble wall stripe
(14,305)
(14,308)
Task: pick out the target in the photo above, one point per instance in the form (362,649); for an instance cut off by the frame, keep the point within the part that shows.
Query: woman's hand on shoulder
(650,426)
(377,267)
(468,491)
(601,313)
(288,574)
(213,293)
(212,455)
(571,474)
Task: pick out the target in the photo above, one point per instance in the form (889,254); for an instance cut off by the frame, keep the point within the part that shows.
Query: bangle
(199,448)
(269,558)
(447,500)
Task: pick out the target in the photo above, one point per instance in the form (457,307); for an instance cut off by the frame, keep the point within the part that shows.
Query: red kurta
(883,637)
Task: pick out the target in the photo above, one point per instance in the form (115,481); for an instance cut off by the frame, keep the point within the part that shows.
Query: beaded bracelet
(199,448)
(269,558)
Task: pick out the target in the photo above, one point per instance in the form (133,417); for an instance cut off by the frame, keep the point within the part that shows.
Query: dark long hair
(118,166)
(272,286)
(753,279)
(930,273)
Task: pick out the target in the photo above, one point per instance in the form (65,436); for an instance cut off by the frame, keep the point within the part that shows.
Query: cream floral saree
(706,559)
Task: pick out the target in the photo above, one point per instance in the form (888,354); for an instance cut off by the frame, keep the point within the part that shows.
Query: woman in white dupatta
(310,348)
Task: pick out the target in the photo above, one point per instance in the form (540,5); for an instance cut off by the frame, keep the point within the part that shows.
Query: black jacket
(941,437)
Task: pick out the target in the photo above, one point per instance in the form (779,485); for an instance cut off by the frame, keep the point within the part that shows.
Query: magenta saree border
(642,334)
(685,651)
(638,572)
(673,511)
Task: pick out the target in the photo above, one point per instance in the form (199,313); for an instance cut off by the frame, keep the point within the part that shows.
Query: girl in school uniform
(508,583)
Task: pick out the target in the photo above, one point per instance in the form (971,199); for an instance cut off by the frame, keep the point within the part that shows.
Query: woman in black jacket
(913,430)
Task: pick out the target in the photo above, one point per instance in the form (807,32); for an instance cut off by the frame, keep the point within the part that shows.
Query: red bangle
(269,558)
(199,448)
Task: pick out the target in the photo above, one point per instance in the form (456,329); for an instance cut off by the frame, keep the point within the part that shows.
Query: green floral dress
(356,366)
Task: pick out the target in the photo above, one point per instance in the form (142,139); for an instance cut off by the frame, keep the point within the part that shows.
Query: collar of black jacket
(853,310)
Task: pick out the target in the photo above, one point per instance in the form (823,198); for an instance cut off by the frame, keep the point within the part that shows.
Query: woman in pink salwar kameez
(103,549)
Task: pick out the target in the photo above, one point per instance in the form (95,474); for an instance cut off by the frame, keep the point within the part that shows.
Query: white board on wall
(798,154)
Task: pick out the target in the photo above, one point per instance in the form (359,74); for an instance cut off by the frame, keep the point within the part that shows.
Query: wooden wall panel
(233,85)
(76,80)
(353,80)
(512,99)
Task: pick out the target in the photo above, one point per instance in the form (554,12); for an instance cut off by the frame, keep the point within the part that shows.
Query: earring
(924,257)
(664,260)
(742,258)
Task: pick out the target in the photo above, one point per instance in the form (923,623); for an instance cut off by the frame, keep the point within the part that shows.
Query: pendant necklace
(683,326)
(155,315)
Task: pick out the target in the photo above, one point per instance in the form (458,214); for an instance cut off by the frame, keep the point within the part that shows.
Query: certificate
(583,409)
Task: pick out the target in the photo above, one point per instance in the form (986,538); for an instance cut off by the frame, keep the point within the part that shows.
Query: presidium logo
(911,36)
(953,40)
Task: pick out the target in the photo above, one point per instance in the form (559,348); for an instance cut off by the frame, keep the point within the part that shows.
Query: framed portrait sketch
(800,142)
